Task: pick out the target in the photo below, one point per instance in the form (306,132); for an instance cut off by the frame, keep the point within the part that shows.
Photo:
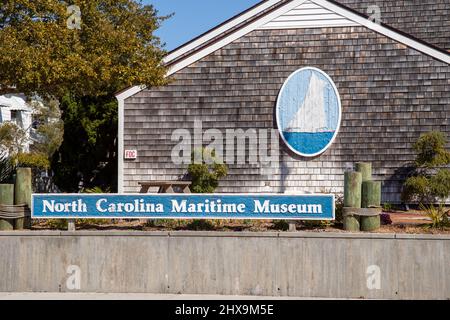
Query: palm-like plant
(6,169)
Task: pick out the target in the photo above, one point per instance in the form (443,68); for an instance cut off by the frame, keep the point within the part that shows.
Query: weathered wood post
(22,195)
(370,219)
(352,189)
(351,219)
(366,170)
(7,198)
(352,199)
(371,198)
(371,194)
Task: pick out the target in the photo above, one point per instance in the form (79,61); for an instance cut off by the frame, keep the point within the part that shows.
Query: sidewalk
(131,296)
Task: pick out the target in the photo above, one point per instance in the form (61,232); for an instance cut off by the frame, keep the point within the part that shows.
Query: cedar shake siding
(427,20)
(390,94)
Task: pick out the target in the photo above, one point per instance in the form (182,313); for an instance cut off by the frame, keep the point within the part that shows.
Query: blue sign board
(182,206)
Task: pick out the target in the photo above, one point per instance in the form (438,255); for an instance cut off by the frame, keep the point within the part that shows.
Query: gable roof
(271,14)
(427,20)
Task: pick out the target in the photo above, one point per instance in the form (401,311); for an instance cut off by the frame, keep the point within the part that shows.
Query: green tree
(88,153)
(12,138)
(82,67)
(113,47)
(430,180)
(206,175)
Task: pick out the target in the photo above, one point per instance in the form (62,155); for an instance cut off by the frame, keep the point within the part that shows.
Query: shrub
(59,224)
(205,176)
(430,181)
(200,225)
(97,189)
(431,152)
(6,169)
(32,160)
(438,215)
(385,219)
(281,225)
(339,208)
(388,207)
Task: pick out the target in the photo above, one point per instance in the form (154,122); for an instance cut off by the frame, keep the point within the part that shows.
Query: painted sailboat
(308,132)
(311,116)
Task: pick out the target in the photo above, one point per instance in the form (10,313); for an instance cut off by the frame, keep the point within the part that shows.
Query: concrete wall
(271,264)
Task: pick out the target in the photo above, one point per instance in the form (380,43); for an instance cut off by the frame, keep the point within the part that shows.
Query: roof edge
(203,45)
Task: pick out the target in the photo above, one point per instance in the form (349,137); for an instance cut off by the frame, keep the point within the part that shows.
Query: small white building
(14,108)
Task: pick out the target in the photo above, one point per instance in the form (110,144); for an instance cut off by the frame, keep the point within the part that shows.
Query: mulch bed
(411,222)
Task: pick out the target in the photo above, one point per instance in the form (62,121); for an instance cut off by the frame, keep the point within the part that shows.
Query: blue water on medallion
(308,143)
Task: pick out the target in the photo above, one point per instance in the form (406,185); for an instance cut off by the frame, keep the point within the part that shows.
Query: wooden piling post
(370,223)
(352,189)
(371,194)
(366,170)
(22,195)
(351,219)
(7,198)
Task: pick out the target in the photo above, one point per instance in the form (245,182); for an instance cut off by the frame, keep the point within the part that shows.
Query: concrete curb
(215,234)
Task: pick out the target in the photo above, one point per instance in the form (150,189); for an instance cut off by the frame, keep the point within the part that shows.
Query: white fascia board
(259,23)
(129,92)
(234,36)
(120,130)
(385,31)
(216,32)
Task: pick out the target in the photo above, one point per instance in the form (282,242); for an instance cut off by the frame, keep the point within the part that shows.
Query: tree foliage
(48,127)
(88,156)
(12,138)
(114,47)
(206,175)
(431,150)
(6,169)
(44,136)
(430,180)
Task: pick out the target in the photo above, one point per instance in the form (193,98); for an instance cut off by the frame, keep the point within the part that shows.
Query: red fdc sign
(130,154)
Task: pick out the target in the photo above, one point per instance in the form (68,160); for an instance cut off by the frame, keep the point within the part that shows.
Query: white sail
(311,116)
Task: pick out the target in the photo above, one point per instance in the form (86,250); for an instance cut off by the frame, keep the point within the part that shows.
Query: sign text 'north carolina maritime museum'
(305,207)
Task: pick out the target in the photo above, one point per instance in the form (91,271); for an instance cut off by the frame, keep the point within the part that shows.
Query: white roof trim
(265,19)
(385,31)
(234,36)
(129,92)
(216,32)
(308,15)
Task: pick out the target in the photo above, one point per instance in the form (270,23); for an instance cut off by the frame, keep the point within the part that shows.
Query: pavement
(129,296)
(411,219)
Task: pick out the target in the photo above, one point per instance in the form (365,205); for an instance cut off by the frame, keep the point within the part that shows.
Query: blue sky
(194,17)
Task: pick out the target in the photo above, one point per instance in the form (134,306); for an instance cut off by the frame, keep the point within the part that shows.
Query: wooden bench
(166,186)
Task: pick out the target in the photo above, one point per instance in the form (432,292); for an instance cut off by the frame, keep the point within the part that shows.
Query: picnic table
(166,186)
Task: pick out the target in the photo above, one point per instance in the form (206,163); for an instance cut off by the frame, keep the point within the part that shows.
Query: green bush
(281,225)
(33,160)
(200,225)
(438,215)
(430,180)
(205,176)
(440,184)
(430,149)
(6,169)
(339,208)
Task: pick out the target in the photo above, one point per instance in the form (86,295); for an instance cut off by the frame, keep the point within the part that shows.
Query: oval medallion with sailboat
(308,112)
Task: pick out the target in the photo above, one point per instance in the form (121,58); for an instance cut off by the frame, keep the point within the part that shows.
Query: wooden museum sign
(184,206)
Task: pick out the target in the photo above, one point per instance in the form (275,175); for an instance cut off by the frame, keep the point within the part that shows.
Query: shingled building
(389,61)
